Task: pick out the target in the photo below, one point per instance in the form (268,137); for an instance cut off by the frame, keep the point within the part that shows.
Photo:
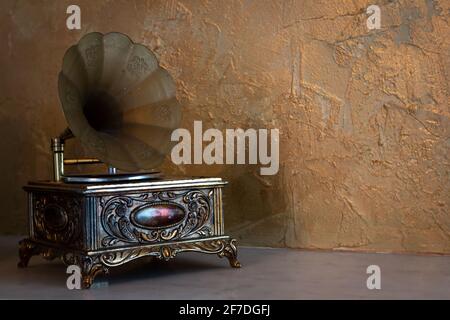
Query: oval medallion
(157,215)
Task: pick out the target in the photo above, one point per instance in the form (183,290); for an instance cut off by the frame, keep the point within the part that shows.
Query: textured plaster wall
(363,115)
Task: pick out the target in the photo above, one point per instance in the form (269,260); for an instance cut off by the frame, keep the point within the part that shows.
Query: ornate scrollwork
(57,219)
(116,221)
(221,247)
(199,210)
(90,266)
(230,252)
(93,264)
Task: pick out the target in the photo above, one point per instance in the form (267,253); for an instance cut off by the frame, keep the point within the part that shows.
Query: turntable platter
(105,178)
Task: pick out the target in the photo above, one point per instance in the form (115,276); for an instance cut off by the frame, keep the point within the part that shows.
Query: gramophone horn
(118,101)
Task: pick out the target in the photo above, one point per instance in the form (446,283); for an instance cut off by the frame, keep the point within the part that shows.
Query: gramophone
(122,107)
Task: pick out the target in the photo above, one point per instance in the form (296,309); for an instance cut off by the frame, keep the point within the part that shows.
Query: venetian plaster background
(363,115)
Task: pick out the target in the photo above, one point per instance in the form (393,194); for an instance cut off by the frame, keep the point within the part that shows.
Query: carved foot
(90,267)
(90,270)
(230,251)
(27,249)
(87,281)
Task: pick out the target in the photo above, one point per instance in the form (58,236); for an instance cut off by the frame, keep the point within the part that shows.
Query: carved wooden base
(96,262)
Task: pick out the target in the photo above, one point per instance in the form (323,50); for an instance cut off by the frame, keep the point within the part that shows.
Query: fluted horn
(119,101)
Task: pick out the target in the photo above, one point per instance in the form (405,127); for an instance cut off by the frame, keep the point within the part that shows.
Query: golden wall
(363,114)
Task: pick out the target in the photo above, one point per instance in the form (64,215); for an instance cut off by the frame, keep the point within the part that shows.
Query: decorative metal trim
(116,220)
(91,225)
(70,209)
(93,264)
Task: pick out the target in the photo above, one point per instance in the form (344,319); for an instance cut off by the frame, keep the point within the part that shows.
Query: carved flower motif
(121,210)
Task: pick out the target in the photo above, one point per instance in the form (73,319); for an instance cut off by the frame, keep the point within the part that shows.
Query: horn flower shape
(119,101)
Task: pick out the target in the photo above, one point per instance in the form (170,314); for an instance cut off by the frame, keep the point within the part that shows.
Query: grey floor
(266,274)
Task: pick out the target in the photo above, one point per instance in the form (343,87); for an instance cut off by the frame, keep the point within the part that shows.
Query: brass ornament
(117,213)
(94,264)
(57,218)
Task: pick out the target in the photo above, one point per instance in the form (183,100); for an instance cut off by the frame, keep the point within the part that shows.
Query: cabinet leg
(27,249)
(90,268)
(230,252)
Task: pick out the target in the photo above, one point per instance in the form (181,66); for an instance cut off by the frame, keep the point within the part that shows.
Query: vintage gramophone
(121,105)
